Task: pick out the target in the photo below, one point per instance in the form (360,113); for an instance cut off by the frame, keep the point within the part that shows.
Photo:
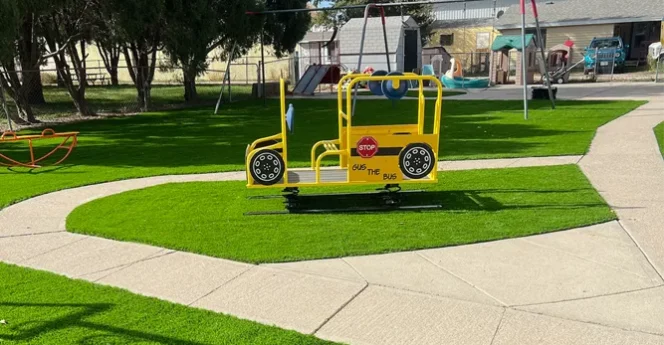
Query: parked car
(605,53)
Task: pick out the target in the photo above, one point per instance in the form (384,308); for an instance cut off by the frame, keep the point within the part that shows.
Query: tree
(194,28)
(8,33)
(65,26)
(107,38)
(23,53)
(285,30)
(139,24)
(422,14)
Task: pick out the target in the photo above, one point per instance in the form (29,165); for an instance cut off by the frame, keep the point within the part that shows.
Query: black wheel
(267,167)
(417,160)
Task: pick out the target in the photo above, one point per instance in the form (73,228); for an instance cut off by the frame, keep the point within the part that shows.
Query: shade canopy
(510,42)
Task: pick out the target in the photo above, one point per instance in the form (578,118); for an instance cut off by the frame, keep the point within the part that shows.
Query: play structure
(369,154)
(500,56)
(67,145)
(453,79)
(316,75)
(558,60)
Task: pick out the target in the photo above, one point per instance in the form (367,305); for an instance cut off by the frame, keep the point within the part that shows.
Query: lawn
(196,141)
(659,134)
(122,99)
(44,308)
(477,205)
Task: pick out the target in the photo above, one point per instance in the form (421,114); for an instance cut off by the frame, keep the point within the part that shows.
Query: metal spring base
(388,198)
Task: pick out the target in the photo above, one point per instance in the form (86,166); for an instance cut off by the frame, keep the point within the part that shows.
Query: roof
(476,13)
(510,42)
(584,12)
(317,36)
(351,32)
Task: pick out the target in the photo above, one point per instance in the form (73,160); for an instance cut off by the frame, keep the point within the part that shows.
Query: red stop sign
(367,147)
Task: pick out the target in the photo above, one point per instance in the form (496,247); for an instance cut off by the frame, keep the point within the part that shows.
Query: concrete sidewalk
(596,285)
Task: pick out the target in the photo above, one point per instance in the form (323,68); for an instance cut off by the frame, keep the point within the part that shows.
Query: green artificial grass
(122,98)
(659,134)
(43,308)
(477,205)
(196,141)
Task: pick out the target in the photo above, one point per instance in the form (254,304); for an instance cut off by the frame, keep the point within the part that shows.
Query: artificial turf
(477,205)
(44,308)
(659,134)
(122,98)
(196,141)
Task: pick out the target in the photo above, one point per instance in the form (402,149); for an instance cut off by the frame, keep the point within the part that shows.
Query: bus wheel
(267,167)
(417,160)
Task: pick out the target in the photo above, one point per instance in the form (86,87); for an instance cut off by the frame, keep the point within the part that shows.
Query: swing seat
(68,143)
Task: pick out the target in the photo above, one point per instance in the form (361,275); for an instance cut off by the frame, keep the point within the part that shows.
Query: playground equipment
(316,75)
(390,154)
(558,60)
(454,79)
(69,142)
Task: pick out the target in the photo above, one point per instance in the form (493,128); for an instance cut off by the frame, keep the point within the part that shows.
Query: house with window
(464,31)
(637,22)
(466,27)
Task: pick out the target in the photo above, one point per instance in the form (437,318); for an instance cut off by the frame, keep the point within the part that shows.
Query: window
(447,40)
(483,39)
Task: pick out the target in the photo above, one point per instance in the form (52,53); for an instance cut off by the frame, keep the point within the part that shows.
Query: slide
(311,79)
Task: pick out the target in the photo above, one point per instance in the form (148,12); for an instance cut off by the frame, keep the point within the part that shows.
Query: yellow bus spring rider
(368,155)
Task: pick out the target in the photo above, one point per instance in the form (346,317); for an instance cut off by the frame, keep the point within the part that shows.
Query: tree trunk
(141,65)
(30,59)
(110,55)
(114,76)
(190,94)
(13,117)
(33,89)
(23,108)
(11,83)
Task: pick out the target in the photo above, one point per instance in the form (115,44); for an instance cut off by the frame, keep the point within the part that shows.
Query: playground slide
(464,83)
(311,79)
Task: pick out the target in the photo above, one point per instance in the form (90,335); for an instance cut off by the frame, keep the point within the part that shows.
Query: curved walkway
(595,285)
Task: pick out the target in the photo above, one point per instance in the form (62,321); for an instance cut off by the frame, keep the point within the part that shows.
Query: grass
(122,99)
(196,141)
(43,308)
(659,134)
(478,205)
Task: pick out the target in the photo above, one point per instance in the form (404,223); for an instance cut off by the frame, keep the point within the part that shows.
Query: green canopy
(510,42)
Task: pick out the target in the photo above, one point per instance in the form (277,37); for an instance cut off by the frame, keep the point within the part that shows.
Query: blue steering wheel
(290,119)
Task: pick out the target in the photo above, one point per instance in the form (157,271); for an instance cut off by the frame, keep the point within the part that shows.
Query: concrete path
(596,285)
(586,91)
